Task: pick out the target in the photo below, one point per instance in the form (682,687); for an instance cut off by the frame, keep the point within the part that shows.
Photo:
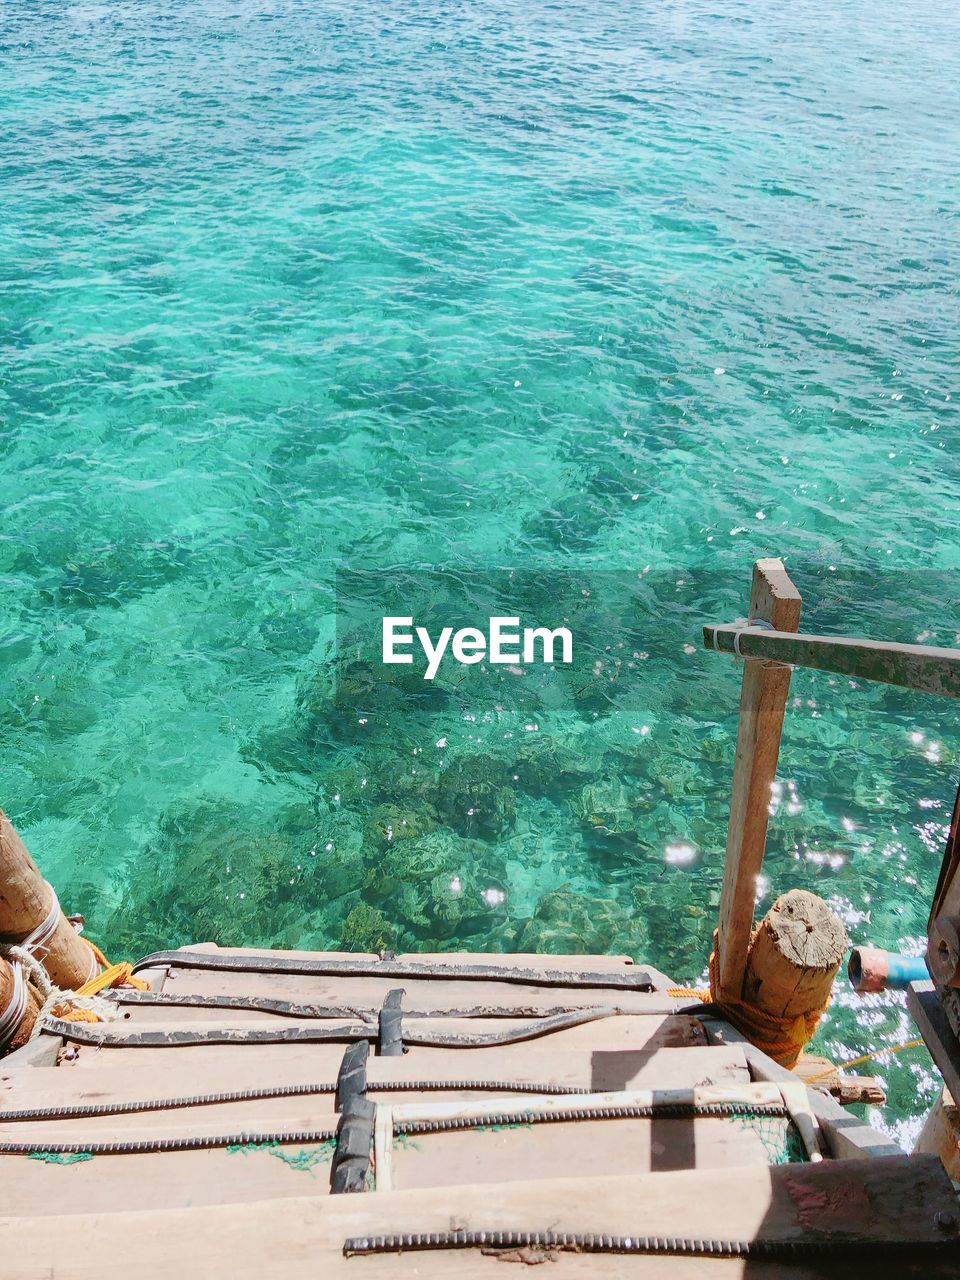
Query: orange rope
(865,1057)
(112,975)
(688,993)
(783,1039)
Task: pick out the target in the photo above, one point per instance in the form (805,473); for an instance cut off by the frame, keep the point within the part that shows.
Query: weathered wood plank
(593,1069)
(926,668)
(621,1034)
(763,698)
(941,1134)
(821,1073)
(880,1201)
(848,1138)
(927,1012)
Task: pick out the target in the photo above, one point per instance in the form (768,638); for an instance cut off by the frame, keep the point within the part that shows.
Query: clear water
(657,286)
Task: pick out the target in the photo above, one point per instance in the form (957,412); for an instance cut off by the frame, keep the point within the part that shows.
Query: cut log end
(806,932)
(794,956)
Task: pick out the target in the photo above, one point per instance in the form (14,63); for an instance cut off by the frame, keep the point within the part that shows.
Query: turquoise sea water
(648,289)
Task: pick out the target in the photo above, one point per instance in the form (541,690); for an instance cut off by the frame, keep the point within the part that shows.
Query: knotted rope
(782,1038)
(81,1005)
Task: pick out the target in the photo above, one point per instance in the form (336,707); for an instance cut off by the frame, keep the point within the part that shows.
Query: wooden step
(425,992)
(617,1034)
(529,1064)
(840,1203)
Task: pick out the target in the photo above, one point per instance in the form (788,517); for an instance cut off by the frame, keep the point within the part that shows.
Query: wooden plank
(877,1201)
(465,967)
(523,1064)
(763,698)
(628,1032)
(39,1051)
(369,993)
(848,1138)
(171,1180)
(941,1134)
(925,668)
(927,1012)
(821,1073)
(593,1147)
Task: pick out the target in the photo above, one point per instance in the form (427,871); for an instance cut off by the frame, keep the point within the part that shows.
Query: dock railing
(769,641)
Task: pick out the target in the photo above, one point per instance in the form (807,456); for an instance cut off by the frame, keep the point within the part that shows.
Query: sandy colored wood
(821,1074)
(847,1137)
(630,1032)
(675,1068)
(419,993)
(592,1148)
(25,903)
(883,1200)
(941,1133)
(763,698)
(794,956)
(501,960)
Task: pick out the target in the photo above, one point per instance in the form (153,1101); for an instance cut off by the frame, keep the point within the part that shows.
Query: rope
(749,624)
(865,1057)
(781,1038)
(688,993)
(26,961)
(21,955)
(83,1005)
(12,1016)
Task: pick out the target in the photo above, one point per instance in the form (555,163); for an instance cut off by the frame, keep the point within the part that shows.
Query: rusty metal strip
(592,1242)
(632,979)
(88,1110)
(103,1034)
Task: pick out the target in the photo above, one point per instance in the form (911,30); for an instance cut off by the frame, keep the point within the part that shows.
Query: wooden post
(794,956)
(763,698)
(941,1134)
(21,1033)
(25,903)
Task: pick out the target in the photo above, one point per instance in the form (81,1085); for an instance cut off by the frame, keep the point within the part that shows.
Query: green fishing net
(779,1135)
(303,1160)
(60,1157)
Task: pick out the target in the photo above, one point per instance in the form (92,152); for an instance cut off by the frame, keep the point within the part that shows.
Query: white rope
(37,939)
(12,1016)
(749,624)
(23,958)
(743,626)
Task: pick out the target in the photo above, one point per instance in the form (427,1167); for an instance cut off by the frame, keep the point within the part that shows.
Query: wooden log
(941,1134)
(773,599)
(794,956)
(926,668)
(25,903)
(32,1007)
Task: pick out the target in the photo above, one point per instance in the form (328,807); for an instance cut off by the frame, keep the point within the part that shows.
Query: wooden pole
(763,698)
(34,1002)
(911,666)
(26,902)
(794,956)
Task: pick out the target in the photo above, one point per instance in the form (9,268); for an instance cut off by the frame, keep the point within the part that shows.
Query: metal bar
(631,979)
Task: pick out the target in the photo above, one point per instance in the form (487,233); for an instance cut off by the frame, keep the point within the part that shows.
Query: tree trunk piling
(794,956)
(26,903)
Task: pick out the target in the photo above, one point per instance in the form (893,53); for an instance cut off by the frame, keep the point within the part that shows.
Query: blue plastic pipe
(872,969)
